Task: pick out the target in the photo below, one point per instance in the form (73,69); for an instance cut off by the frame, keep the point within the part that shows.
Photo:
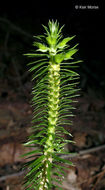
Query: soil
(88,132)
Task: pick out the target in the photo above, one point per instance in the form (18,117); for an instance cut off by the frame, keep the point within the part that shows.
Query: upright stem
(54,95)
(53,105)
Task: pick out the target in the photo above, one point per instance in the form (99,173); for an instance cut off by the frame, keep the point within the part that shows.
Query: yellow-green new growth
(52,99)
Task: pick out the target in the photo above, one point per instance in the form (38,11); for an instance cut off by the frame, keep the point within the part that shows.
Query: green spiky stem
(53,105)
(54,95)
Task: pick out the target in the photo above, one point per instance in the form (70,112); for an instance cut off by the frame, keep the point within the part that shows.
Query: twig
(92,149)
(99,177)
(16,28)
(83,152)
(80,153)
(18,174)
(90,179)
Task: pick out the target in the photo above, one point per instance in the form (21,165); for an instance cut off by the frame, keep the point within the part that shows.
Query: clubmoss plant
(54,89)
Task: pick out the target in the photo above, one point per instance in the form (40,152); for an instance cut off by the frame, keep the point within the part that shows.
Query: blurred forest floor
(88,128)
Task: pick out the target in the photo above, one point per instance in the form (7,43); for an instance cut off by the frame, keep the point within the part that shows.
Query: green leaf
(48,169)
(62,160)
(39,37)
(40,106)
(64,122)
(74,46)
(36,164)
(59,188)
(30,142)
(43,72)
(60,167)
(46,29)
(57,174)
(39,134)
(70,71)
(43,140)
(43,124)
(35,55)
(64,116)
(59,58)
(31,152)
(69,54)
(35,168)
(63,43)
(39,94)
(40,69)
(31,179)
(71,63)
(40,113)
(58,181)
(65,78)
(42,47)
(39,119)
(36,66)
(59,32)
(62,129)
(71,85)
(37,61)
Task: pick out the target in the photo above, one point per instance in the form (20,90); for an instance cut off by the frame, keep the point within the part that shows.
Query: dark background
(19,22)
